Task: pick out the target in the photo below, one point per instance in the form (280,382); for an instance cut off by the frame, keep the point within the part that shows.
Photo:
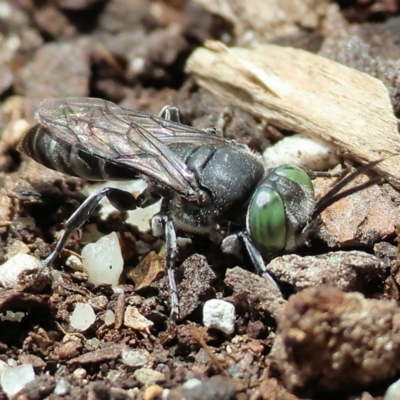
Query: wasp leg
(170,113)
(326,174)
(162,224)
(120,199)
(231,244)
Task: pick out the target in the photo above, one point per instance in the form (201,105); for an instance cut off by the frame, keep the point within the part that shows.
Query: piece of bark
(300,91)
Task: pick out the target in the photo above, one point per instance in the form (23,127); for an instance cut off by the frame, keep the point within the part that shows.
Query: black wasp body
(204,179)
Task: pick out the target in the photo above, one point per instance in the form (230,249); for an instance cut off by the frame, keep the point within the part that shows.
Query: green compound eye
(281,206)
(266,219)
(296,175)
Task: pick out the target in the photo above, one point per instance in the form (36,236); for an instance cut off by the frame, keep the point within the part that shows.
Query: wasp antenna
(333,196)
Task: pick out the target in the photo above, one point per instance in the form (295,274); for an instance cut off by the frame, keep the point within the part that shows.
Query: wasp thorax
(281,205)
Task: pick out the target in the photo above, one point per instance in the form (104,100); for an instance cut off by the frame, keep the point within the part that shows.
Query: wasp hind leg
(171,113)
(120,199)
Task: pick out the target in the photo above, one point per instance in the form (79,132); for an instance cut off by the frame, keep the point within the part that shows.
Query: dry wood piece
(300,91)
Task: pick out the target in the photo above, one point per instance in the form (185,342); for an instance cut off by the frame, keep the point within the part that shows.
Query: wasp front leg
(233,243)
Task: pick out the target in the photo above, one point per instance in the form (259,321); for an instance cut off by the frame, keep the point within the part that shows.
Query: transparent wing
(125,137)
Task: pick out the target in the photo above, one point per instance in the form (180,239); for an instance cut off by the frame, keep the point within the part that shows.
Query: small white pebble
(13,380)
(62,387)
(191,384)
(137,65)
(113,375)
(219,314)
(10,270)
(12,316)
(148,376)
(5,11)
(182,242)
(302,151)
(83,317)
(393,391)
(134,320)
(93,342)
(80,373)
(56,276)
(98,302)
(135,357)
(74,263)
(103,260)
(109,318)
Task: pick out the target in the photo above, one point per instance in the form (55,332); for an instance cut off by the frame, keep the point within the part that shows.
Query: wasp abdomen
(53,152)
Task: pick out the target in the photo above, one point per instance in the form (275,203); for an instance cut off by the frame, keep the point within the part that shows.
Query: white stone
(393,391)
(148,376)
(5,11)
(134,320)
(219,314)
(103,260)
(75,263)
(137,65)
(12,316)
(10,270)
(302,151)
(182,241)
(109,317)
(13,380)
(94,343)
(80,373)
(135,357)
(62,387)
(83,317)
(192,384)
